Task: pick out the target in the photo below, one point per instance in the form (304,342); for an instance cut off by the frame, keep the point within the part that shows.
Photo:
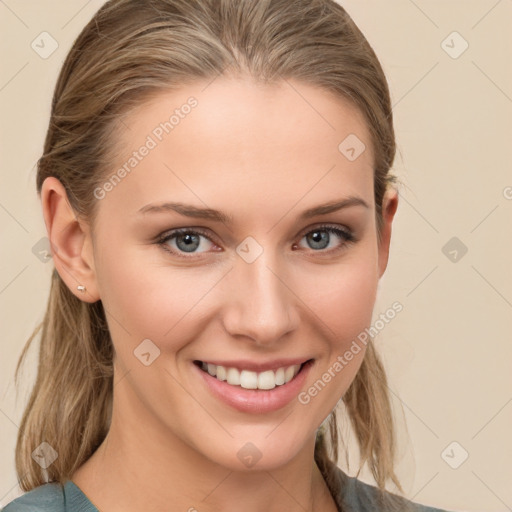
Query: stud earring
(81,288)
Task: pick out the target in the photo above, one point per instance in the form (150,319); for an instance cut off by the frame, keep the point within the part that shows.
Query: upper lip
(251,365)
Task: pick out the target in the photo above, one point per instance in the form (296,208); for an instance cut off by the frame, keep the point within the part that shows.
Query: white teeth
(247,379)
(280,377)
(267,380)
(221,373)
(288,374)
(233,376)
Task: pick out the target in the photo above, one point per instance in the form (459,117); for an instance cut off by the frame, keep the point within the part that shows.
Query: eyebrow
(216,215)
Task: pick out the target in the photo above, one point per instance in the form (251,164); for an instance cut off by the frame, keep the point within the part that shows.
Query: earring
(81,288)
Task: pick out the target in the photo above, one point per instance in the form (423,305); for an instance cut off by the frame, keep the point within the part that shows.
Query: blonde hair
(127,52)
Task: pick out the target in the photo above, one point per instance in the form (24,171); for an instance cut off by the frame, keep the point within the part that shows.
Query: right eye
(184,240)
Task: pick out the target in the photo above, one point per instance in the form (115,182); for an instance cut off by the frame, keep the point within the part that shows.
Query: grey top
(52,497)
(351,495)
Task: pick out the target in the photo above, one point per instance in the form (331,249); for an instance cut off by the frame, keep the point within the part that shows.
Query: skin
(263,154)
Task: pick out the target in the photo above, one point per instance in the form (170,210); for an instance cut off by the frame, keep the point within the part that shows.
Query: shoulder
(47,497)
(367,498)
(353,495)
(52,497)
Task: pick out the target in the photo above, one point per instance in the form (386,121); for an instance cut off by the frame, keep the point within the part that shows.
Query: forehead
(238,140)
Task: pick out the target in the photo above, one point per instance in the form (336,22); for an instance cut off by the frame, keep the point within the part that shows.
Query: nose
(261,304)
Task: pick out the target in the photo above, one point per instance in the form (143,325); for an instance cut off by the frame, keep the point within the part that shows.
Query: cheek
(343,297)
(146,299)
(130,287)
(343,304)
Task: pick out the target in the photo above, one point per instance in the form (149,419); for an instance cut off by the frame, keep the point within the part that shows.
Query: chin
(256,452)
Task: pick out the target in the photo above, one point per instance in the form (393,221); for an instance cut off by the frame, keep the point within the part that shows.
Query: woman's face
(253,282)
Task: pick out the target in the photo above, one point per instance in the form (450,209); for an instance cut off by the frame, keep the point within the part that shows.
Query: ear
(389,207)
(70,240)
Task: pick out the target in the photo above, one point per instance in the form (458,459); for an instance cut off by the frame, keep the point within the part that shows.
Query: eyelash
(348,237)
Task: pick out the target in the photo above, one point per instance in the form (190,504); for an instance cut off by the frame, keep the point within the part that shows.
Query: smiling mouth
(248,379)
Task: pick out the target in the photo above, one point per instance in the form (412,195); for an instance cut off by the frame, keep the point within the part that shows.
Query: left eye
(320,238)
(182,241)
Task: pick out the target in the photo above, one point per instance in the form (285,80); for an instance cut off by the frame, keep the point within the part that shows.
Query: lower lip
(255,400)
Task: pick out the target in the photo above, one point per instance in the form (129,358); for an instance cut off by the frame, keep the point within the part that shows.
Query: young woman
(216,188)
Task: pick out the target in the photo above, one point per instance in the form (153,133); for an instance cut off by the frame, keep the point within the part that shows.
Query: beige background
(449,351)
